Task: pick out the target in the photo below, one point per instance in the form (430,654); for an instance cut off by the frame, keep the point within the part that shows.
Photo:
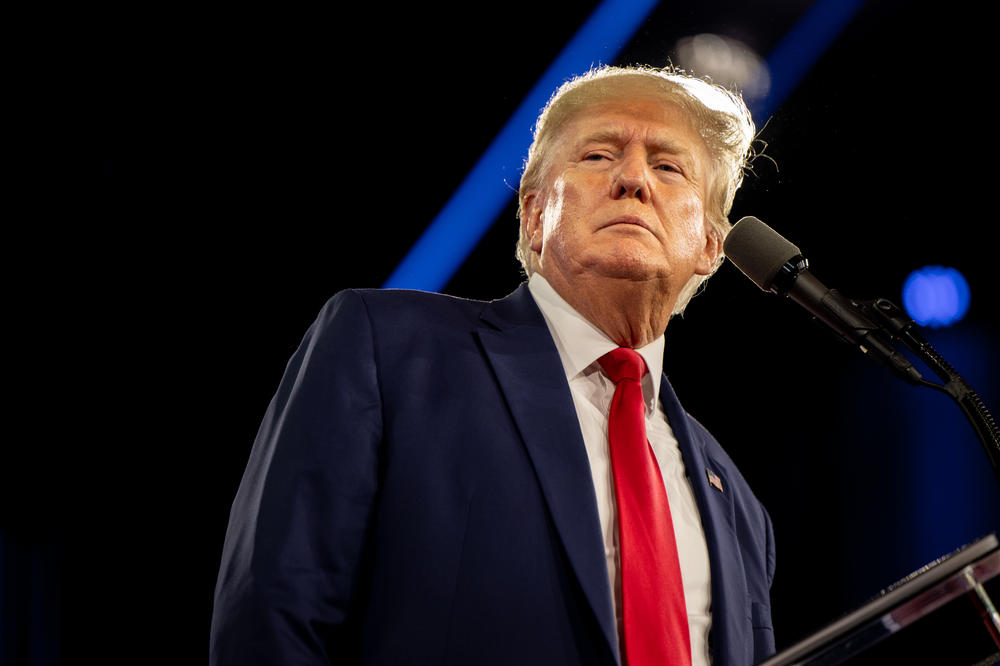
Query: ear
(531,219)
(708,262)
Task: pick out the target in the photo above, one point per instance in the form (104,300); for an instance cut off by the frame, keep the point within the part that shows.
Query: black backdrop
(205,179)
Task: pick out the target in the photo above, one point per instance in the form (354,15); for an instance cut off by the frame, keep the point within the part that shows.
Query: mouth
(629,220)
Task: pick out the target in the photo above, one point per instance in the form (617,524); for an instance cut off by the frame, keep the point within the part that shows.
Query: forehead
(659,124)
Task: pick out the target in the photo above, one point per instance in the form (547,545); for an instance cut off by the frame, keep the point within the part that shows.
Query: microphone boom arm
(891,319)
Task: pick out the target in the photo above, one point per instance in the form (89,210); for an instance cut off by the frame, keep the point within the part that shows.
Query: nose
(630,180)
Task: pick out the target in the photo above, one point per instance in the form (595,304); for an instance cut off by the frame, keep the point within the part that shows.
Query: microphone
(774,264)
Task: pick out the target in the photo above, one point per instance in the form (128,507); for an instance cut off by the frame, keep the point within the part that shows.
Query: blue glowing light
(936,296)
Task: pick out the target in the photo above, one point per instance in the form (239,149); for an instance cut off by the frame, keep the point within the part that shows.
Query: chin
(635,270)
(629,262)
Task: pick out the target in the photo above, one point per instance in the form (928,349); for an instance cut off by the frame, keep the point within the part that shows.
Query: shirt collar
(580,343)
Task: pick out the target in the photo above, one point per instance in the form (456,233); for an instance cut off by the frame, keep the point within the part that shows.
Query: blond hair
(720,116)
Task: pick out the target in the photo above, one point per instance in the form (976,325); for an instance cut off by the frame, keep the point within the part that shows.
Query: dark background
(197,182)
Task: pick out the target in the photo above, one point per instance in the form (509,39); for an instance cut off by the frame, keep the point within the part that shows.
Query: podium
(943,613)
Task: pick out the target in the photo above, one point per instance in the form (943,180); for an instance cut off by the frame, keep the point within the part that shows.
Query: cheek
(685,227)
(551,219)
(688,213)
(554,215)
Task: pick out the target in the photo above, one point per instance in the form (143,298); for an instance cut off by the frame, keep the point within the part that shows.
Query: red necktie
(654,613)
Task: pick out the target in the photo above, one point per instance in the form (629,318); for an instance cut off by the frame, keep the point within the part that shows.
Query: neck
(632,313)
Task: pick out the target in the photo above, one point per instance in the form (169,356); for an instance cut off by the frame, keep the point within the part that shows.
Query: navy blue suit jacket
(419,493)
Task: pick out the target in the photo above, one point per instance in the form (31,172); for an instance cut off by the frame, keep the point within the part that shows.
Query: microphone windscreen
(758,250)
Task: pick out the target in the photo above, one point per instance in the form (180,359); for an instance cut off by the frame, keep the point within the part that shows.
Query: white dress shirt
(580,344)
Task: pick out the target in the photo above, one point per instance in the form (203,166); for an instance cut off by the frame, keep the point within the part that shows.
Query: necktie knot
(623,363)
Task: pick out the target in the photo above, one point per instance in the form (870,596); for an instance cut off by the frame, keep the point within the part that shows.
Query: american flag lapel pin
(714,480)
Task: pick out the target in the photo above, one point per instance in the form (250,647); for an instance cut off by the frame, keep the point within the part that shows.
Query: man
(438,481)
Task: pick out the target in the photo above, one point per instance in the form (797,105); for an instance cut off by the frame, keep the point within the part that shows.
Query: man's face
(624,197)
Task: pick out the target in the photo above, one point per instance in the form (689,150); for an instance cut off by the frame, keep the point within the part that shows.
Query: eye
(669,168)
(595,157)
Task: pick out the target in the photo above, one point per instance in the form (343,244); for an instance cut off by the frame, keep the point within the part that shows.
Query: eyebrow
(618,136)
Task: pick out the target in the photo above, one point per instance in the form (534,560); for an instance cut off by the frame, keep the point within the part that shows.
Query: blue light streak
(799,50)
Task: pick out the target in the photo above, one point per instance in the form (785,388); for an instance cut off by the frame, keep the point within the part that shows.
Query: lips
(632,220)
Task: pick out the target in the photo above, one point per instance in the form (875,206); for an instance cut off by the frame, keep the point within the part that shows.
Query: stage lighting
(728,61)
(936,296)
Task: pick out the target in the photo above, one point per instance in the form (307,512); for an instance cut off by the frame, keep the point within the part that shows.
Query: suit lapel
(731,641)
(527,366)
